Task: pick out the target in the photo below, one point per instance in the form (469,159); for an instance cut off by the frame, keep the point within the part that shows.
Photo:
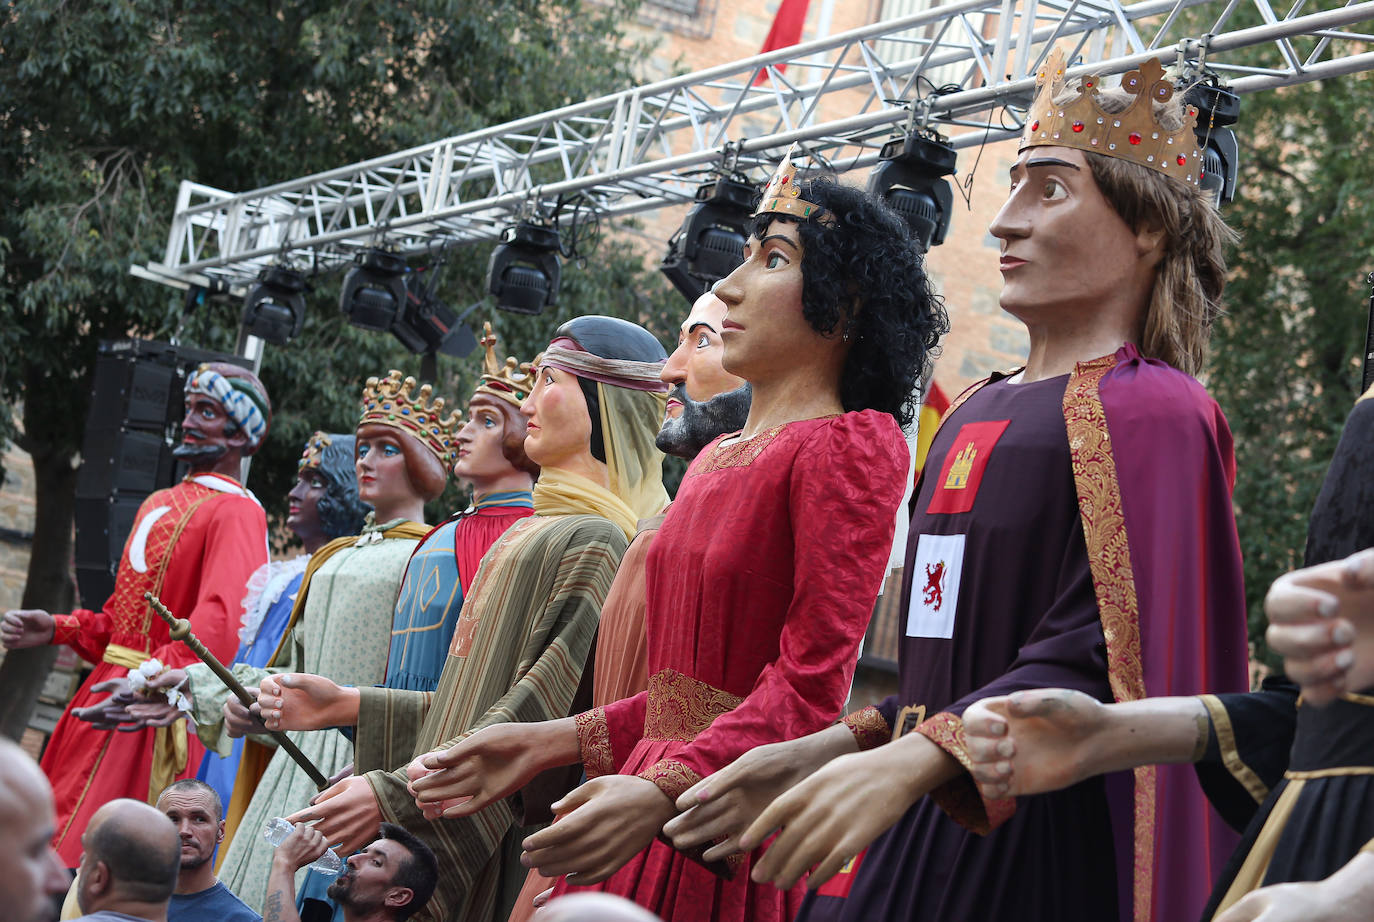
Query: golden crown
(783,196)
(392,401)
(313,456)
(1132,134)
(511,381)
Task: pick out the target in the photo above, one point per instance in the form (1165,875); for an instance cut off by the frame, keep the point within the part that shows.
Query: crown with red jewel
(393,401)
(312,458)
(511,381)
(1132,134)
(783,196)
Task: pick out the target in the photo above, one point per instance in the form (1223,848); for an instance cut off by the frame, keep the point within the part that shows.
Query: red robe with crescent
(194,546)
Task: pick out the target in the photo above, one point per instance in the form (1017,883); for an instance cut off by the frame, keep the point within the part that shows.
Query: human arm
(1345,896)
(302,846)
(1321,620)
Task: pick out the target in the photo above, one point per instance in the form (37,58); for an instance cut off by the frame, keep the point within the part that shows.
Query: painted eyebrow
(701,323)
(785,239)
(1045,161)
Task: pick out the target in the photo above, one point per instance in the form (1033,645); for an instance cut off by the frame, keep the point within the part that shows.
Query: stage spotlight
(910,180)
(374,291)
(710,243)
(428,325)
(1217,109)
(274,308)
(524,271)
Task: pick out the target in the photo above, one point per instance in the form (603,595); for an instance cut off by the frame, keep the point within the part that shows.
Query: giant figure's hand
(1321,620)
(155,710)
(26,627)
(831,816)
(492,763)
(239,720)
(300,701)
(347,814)
(598,827)
(109,712)
(1033,741)
(721,806)
(1346,896)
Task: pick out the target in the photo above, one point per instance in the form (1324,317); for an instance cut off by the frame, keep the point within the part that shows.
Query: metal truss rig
(647,147)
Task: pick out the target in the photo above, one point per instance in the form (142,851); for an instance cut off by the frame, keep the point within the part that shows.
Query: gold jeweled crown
(510,382)
(313,456)
(783,196)
(1132,134)
(391,401)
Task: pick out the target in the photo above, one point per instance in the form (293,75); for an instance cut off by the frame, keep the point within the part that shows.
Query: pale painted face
(1065,250)
(696,364)
(480,458)
(380,464)
(764,331)
(559,427)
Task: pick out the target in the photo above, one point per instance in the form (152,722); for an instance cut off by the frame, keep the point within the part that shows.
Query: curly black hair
(865,277)
(342,513)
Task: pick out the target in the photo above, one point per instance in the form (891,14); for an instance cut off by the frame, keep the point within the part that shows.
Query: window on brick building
(692,18)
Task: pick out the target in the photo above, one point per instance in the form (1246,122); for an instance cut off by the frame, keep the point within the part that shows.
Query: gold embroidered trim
(1353,698)
(672,777)
(594,742)
(680,707)
(65,629)
(1230,755)
(1109,558)
(868,726)
(959,797)
(740,453)
(1340,772)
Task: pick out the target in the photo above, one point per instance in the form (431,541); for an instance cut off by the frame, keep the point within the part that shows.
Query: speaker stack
(136,410)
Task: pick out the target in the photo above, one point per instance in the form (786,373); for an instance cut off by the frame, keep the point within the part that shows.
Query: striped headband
(564,353)
(241,401)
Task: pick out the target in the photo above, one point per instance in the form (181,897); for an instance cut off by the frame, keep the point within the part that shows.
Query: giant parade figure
(763,576)
(527,625)
(1072,527)
(194,545)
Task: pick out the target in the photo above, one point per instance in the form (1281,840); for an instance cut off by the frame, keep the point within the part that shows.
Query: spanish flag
(933,406)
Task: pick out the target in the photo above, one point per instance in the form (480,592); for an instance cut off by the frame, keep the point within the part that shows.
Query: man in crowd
(198,815)
(33,874)
(195,545)
(129,866)
(388,881)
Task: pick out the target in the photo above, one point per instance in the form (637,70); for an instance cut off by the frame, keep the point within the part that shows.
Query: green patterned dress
(343,633)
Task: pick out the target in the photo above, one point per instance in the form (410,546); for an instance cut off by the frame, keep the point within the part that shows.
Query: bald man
(130,863)
(31,874)
(593,907)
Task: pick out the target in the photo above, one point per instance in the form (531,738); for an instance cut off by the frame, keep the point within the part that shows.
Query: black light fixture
(524,271)
(710,243)
(428,325)
(374,291)
(910,179)
(274,308)
(1217,109)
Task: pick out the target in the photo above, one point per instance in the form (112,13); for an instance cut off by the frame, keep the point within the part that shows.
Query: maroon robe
(1061,508)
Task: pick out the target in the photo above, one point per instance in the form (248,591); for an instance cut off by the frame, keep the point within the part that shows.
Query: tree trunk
(48,586)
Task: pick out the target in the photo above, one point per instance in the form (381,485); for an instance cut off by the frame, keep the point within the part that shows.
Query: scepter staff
(181,630)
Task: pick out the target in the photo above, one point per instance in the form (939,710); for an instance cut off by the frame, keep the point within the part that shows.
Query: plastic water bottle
(275,832)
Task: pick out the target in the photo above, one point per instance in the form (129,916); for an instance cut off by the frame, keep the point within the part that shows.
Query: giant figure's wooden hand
(721,806)
(300,701)
(598,828)
(1346,896)
(492,763)
(1321,620)
(1033,741)
(26,627)
(346,814)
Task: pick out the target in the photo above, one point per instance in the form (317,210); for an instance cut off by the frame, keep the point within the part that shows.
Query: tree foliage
(1285,363)
(106,106)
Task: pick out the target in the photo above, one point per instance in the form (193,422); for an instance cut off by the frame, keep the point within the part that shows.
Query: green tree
(104,107)
(1285,362)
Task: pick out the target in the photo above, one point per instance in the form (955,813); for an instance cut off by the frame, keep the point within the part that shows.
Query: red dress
(759,589)
(194,546)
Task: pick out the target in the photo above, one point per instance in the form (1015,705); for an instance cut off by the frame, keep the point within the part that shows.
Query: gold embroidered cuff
(679,706)
(65,628)
(959,797)
(672,777)
(869,728)
(594,742)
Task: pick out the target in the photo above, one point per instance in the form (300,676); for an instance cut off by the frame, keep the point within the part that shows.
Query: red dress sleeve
(234,546)
(845,487)
(85,631)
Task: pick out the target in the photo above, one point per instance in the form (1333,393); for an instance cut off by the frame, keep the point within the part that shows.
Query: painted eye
(1054,190)
(488,422)
(703,341)
(362,451)
(390,450)
(774,260)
